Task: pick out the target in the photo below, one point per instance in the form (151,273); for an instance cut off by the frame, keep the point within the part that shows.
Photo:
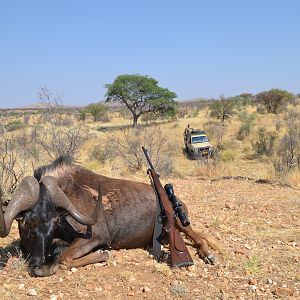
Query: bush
(260,109)
(278,124)
(129,149)
(288,150)
(265,143)
(215,131)
(99,154)
(98,111)
(14,125)
(247,123)
(125,114)
(228,155)
(149,117)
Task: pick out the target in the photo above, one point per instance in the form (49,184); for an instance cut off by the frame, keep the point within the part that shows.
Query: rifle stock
(180,255)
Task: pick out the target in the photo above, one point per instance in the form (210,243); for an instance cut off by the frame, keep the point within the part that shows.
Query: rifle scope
(176,205)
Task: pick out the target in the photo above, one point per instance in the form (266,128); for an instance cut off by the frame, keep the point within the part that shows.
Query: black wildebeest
(63,220)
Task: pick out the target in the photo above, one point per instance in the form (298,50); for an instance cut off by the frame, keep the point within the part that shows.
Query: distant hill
(193,99)
(113,105)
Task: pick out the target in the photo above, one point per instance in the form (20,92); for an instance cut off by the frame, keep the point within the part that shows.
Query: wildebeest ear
(24,198)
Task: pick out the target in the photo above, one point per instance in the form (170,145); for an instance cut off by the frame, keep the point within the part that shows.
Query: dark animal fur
(66,160)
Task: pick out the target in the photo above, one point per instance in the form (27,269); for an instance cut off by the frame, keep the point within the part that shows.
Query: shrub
(129,149)
(125,114)
(99,154)
(82,115)
(215,131)
(12,166)
(56,133)
(228,155)
(247,123)
(148,117)
(261,109)
(288,150)
(278,124)
(265,142)
(182,112)
(98,111)
(14,125)
(211,168)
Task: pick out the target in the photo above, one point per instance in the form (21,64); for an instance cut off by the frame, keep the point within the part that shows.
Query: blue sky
(194,48)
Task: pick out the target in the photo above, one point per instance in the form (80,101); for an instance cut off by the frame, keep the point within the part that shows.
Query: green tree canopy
(97,110)
(222,109)
(141,95)
(274,100)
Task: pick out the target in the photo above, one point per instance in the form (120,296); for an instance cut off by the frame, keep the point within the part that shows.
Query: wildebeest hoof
(45,270)
(104,254)
(210,259)
(63,267)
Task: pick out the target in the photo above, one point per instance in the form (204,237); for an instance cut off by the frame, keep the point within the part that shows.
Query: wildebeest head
(34,204)
(37,227)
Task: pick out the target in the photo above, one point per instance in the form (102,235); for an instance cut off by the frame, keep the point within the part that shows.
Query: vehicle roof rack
(197,131)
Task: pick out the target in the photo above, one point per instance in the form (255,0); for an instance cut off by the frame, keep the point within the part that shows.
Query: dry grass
(236,159)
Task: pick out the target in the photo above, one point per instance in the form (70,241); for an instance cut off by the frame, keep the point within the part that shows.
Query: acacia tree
(274,99)
(222,109)
(141,95)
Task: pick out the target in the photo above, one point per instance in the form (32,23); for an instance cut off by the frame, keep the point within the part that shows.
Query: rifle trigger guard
(159,219)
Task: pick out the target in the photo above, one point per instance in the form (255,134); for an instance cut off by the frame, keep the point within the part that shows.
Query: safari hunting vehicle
(196,143)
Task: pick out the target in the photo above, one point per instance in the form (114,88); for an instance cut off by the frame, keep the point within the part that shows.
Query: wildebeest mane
(62,161)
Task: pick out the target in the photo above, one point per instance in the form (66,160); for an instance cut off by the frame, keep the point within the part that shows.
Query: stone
(269,281)
(32,292)
(253,288)
(283,291)
(252,281)
(146,289)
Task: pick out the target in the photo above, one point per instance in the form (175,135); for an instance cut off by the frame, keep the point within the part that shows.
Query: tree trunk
(135,119)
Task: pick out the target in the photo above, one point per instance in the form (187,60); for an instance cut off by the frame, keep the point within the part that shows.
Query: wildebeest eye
(19,218)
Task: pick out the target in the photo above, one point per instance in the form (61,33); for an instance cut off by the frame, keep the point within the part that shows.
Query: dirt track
(257,224)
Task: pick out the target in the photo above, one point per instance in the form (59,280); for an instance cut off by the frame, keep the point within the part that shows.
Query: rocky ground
(258,226)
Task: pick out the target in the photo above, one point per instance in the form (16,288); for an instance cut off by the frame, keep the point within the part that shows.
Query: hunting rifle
(165,220)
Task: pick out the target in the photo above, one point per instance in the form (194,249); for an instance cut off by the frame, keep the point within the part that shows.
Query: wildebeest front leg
(200,243)
(79,254)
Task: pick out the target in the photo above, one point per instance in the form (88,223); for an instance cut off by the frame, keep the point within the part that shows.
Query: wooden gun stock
(180,255)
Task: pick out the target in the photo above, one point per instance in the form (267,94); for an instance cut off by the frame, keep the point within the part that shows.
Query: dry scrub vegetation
(258,224)
(249,144)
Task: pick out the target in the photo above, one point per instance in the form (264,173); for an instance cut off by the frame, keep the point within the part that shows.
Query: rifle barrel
(147,157)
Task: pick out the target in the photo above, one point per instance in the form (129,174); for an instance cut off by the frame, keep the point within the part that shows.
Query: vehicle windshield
(199,139)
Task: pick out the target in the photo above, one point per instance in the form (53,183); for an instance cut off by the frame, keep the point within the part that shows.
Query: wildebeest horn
(25,196)
(61,200)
